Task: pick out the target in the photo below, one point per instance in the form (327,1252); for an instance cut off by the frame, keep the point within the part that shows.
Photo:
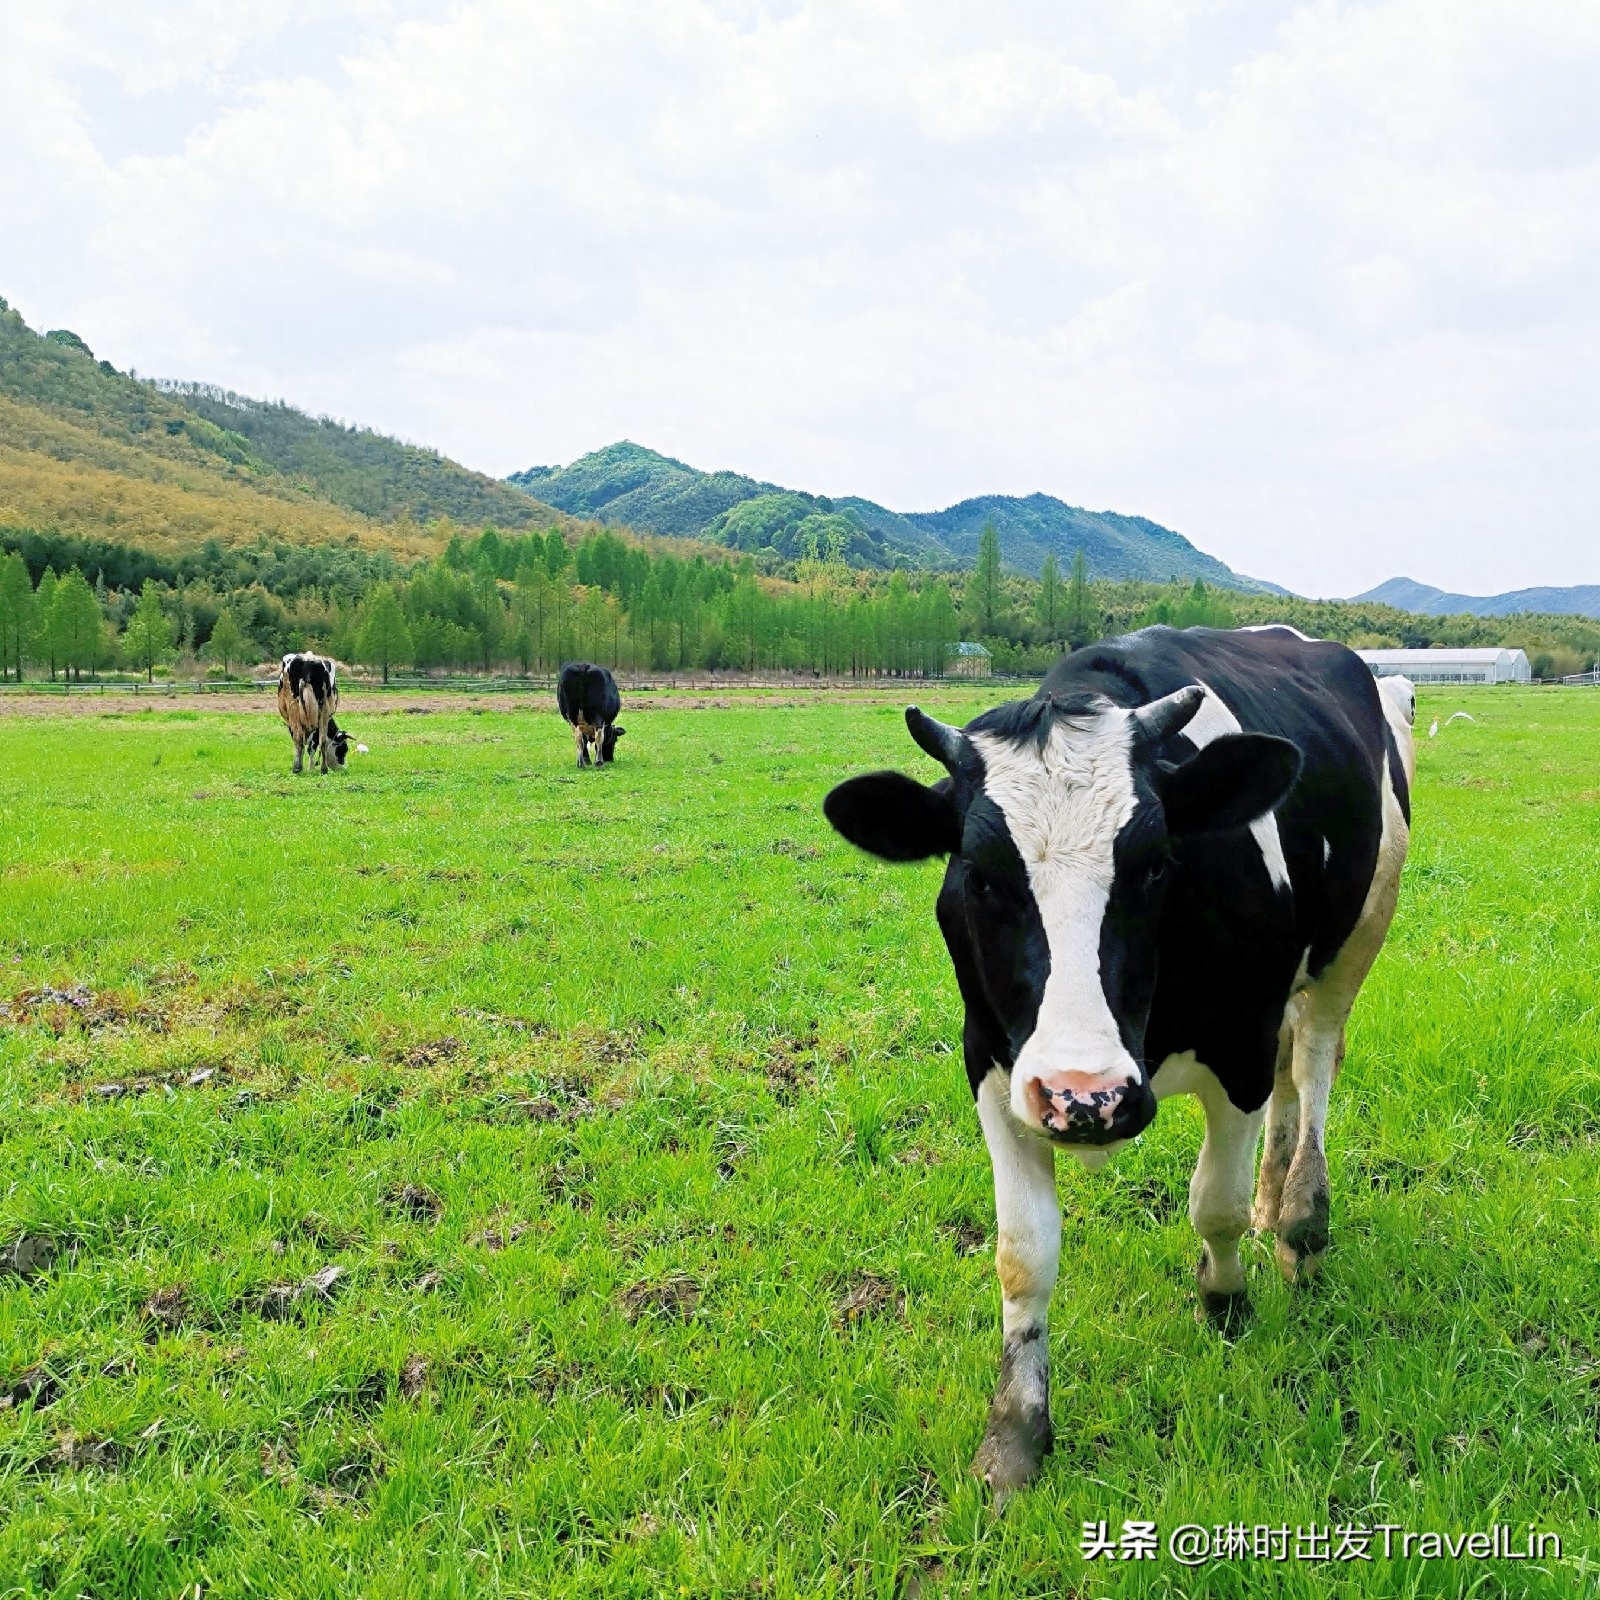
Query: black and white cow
(308,695)
(587,697)
(1169,873)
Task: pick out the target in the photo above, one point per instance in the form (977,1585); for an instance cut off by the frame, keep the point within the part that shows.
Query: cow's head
(1058,816)
(338,744)
(608,741)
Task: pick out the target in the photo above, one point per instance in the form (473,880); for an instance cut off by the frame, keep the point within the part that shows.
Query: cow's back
(587,693)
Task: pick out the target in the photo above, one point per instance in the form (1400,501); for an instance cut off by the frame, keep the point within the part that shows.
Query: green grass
(680,1069)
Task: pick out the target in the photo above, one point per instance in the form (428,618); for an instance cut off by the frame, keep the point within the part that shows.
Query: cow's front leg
(1027,1254)
(1219,1205)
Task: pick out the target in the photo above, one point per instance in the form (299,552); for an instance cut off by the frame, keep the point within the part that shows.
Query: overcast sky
(1314,284)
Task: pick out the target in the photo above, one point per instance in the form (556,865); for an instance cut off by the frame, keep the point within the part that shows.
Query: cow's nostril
(1078,1108)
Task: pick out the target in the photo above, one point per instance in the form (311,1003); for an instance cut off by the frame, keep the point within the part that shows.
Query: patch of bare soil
(968,1237)
(414,1377)
(28,1256)
(868,1297)
(677,1296)
(58,1009)
(36,1385)
(167,1308)
(418,1201)
(77,1452)
(281,1301)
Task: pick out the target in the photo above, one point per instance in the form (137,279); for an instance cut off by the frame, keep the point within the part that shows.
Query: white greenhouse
(1450,666)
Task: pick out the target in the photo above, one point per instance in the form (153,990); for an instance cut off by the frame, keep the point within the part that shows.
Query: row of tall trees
(525,602)
(61,628)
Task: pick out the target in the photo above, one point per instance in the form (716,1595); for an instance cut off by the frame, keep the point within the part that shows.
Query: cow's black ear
(895,817)
(1232,781)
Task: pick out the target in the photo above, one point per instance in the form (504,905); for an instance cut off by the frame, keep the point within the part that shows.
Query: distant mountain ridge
(626,483)
(1406,594)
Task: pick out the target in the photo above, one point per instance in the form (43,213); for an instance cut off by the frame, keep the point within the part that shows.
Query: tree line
(524,602)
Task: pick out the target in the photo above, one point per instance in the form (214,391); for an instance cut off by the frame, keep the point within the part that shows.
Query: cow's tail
(1399,696)
(1399,699)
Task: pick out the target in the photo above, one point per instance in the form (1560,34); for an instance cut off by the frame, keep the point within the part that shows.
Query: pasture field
(629,1105)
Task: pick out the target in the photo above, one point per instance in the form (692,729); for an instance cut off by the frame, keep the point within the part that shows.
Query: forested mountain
(357,468)
(90,452)
(1406,594)
(628,484)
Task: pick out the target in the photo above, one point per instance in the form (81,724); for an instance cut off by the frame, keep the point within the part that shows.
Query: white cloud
(1310,283)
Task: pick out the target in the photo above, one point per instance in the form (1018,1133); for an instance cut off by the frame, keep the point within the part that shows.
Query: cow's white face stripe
(1064,807)
(1211,721)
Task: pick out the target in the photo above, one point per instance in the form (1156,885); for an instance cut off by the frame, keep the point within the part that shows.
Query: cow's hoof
(1011,1454)
(1225,1311)
(1302,1236)
(1297,1269)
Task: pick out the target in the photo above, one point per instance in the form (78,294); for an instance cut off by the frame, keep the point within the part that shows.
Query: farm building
(968,660)
(1450,666)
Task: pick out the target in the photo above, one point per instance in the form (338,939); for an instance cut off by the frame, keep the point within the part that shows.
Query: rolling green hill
(89,452)
(626,483)
(356,467)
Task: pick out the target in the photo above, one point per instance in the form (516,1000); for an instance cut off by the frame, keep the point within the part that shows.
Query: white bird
(1431,731)
(1452,717)
(361,749)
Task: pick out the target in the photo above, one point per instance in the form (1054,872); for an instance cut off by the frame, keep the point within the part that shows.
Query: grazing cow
(1169,873)
(587,697)
(308,695)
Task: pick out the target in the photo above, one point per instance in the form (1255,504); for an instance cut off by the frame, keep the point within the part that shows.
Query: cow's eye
(976,881)
(1154,874)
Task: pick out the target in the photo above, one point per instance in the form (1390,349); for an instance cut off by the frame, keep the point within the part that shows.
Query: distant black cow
(587,697)
(308,694)
(1169,873)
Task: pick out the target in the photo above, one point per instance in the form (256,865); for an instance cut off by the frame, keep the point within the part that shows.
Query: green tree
(1081,626)
(227,643)
(556,555)
(385,640)
(184,639)
(492,627)
(149,634)
(1048,604)
(982,603)
(42,644)
(16,614)
(77,624)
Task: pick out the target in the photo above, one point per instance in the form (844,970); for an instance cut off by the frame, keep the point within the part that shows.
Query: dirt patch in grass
(60,1009)
(569,1185)
(81,1452)
(431,1053)
(787,1066)
(417,1201)
(167,1309)
(414,1377)
(675,1296)
(867,1298)
(36,1385)
(281,1302)
(967,1237)
(28,1256)
(496,1239)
